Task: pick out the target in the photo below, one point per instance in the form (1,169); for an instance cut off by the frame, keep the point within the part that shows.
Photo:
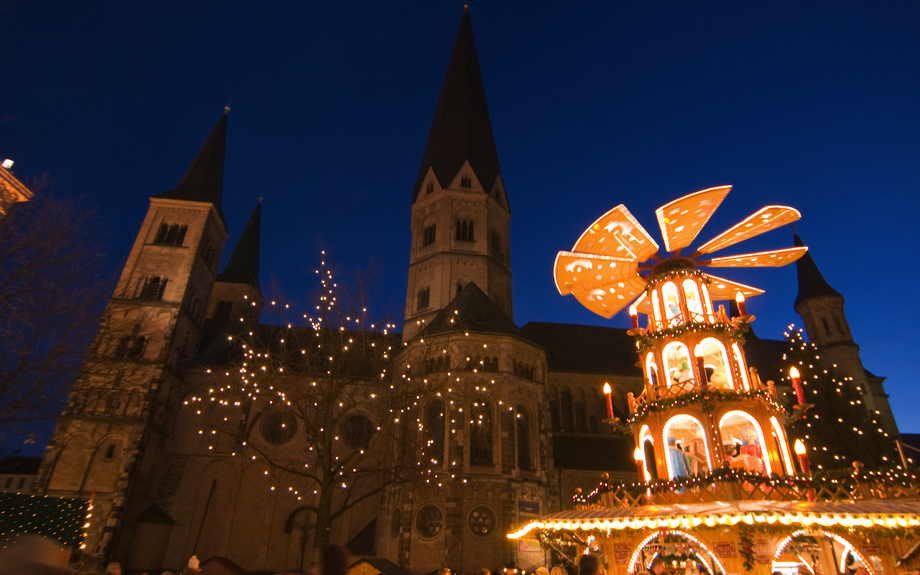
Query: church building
(510,442)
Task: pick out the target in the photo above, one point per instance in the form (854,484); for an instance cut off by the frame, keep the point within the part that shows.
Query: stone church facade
(528,432)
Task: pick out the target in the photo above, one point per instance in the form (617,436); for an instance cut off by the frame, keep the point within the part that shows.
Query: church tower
(460,213)
(109,441)
(236,292)
(821,308)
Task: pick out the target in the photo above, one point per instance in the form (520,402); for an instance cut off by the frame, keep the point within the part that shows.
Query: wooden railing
(728,485)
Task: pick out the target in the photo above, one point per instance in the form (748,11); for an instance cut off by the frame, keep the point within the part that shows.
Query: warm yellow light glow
(633,311)
(606,388)
(793,373)
(739,297)
(799,446)
(638,455)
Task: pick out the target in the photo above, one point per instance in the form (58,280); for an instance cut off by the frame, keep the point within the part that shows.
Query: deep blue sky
(812,104)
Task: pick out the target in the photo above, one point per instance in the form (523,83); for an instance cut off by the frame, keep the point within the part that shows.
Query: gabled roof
(243,265)
(472,311)
(461,129)
(204,180)
(811,283)
(585,348)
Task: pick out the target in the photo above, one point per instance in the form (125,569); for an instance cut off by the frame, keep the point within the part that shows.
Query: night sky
(812,104)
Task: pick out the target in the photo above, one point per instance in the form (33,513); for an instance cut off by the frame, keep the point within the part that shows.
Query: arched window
(651,369)
(685,446)
(434,433)
(694,302)
(706,299)
(423,298)
(481,432)
(466,182)
(554,415)
(429,187)
(742,368)
(677,363)
(523,438)
(740,427)
(780,435)
(464,231)
(172,235)
(581,423)
(671,302)
(718,369)
(568,423)
(154,288)
(656,307)
(429,235)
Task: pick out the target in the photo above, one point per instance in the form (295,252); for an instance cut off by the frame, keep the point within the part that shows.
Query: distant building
(17,473)
(11,189)
(162,494)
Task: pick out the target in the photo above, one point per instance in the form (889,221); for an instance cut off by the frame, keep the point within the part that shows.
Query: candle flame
(793,373)
(799,447)
(606,388)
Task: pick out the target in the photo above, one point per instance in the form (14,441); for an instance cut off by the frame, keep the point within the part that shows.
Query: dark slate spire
(204,180)
(811,283)
(461,129)
(243,266)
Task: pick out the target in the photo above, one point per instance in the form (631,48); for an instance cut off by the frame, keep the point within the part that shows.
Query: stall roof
(877,512)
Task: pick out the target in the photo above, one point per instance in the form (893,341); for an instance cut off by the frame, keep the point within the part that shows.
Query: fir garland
(707,400)
(835,478)
(746,546)
(735,334)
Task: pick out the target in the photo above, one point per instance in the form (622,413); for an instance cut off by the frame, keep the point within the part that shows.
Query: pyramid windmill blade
(765,219)
(579,272)
(723,289)
(769,259)
(681,220)
(618,234)
(606,300)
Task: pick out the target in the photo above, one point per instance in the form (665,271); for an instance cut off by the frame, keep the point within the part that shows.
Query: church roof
(472,311)
(204,180)
(461,129)
(811,283)
(585,348)
(243,265)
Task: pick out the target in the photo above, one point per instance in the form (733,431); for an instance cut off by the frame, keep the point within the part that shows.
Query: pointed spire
(204,180)
(811,283)
(243,265)
(461,129)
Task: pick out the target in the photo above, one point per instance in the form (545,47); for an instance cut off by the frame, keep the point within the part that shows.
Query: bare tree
(51,298)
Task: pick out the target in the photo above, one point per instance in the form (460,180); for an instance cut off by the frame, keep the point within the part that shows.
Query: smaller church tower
(236,292)
(109,442)
(821,309)
(460,214)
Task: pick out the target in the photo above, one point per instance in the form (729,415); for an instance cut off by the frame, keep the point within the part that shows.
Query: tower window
(429,187)
(423,295)
(109,452)
(171,235)
(466,182)
(429,235)
(464,230)
(495,243)
(224,309)
(130,347)
(523,438)
(827,327)
(481,433)
(154,288)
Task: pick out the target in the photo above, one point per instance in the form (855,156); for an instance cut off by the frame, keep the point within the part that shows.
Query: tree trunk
(323,525)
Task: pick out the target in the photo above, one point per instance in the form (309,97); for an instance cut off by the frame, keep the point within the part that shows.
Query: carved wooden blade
(579,272)
(722,289)
(608,299)
(766,219)
(769,259)
(681,220)
(618,234)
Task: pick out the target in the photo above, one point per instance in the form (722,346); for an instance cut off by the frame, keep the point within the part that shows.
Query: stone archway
(812,561)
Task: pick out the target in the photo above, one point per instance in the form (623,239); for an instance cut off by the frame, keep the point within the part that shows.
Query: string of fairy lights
(814,379)
(303,369)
